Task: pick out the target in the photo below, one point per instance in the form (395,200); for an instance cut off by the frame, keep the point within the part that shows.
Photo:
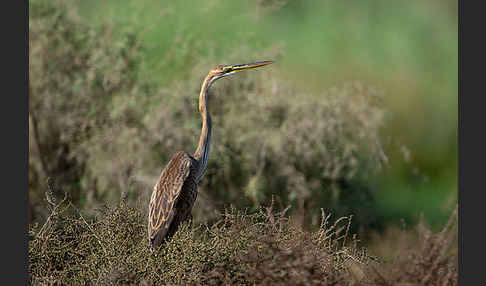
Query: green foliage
(310,149)
(76,76)
(264,248)
(410,48)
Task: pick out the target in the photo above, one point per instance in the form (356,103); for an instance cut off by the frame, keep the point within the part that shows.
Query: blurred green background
(406,49)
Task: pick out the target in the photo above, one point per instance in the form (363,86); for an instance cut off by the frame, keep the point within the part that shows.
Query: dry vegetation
(265,248)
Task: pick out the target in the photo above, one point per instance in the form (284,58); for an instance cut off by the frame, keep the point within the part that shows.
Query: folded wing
(165,195)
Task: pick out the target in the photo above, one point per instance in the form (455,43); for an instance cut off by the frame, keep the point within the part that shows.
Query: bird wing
(165,195)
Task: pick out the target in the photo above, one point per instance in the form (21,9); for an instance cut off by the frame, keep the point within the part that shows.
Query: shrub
(102,132)
(263,248)
(418,256)
(77,74)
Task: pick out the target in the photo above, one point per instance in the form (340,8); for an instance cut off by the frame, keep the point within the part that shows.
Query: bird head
(220,71)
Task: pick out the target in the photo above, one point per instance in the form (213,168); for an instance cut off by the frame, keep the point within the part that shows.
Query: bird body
(173,197)
(175,192)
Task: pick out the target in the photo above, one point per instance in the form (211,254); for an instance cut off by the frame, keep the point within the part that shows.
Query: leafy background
(358,115)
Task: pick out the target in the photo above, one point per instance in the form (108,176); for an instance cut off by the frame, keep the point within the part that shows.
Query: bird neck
(202,151)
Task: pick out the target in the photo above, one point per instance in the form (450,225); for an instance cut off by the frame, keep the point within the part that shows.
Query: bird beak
(237,68)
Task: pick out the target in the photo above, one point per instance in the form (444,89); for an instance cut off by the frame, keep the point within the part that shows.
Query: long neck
(202,151)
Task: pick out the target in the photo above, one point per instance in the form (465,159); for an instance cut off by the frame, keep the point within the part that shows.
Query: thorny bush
(264,248)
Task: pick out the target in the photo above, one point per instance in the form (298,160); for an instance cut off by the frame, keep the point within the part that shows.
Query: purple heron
(175,192)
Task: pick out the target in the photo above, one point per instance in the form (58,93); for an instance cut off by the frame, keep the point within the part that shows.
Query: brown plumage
(175,192)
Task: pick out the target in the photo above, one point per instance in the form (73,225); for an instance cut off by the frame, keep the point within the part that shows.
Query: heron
(176,190)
